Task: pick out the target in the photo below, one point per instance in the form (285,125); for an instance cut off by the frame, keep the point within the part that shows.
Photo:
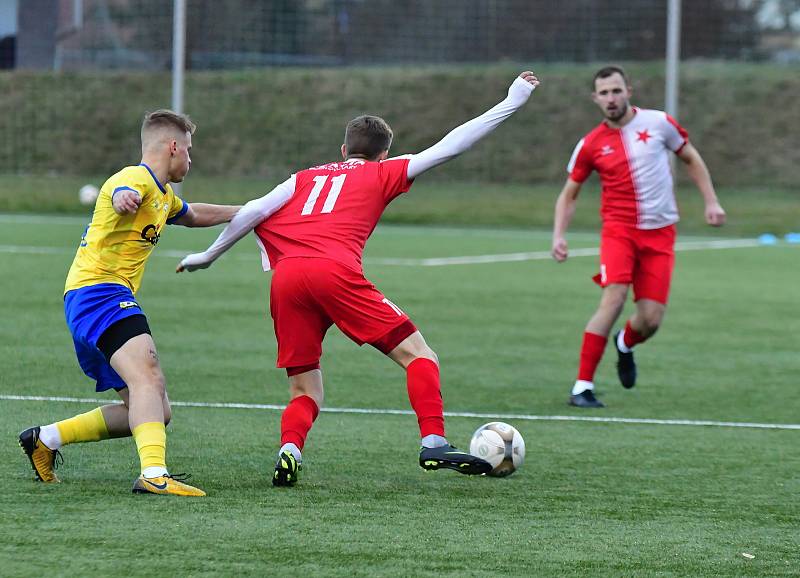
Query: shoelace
(182,477)
(58,459)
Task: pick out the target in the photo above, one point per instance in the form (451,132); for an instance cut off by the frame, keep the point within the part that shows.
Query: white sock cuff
(50,436)
(621,343)
(154,472)
(433,441)
(581,386)
(293,449)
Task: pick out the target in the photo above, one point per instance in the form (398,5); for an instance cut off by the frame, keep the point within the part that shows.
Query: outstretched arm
(565,209)
(205,215)
(463,137)
(698,172)
(248,217)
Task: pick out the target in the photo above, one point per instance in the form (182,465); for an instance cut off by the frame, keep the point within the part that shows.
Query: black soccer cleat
(286,470)
(626,366)
(452,459)
(585,398)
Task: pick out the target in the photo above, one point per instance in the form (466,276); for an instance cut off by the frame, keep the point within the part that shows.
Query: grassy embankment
(257,126)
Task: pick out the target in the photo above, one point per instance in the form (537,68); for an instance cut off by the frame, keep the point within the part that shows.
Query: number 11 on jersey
(330,200)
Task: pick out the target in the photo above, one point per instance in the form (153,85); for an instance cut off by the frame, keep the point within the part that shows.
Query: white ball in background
(88,194)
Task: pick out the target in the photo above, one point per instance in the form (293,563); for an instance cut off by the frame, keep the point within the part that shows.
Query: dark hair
(367,136)
(166,118)
(610,71)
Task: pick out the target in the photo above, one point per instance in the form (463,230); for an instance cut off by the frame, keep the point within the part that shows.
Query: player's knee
(315,393)
(428,353)
(651,321)
(412,353)
(308,384)
(159,384)
(152,384)
(149,371)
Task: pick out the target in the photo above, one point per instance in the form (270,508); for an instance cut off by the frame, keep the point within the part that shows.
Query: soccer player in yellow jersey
(110,332)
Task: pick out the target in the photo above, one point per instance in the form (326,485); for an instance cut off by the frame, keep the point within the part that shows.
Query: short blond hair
(165,118)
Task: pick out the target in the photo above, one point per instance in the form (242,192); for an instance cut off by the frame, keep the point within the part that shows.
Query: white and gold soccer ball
(499,444)
(87,195)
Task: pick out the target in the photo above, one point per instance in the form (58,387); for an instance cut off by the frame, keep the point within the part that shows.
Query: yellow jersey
(115,248)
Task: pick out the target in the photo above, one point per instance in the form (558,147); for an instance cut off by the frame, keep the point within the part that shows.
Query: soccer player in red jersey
(630,151)
(312,230)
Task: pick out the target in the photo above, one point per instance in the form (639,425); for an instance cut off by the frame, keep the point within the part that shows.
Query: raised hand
(530,78)
(126,201)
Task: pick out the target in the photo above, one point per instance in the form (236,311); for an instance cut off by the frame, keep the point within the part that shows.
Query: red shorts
(308,295)
(641,257)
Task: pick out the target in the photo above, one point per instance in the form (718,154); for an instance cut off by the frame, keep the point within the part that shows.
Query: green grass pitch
(592,499)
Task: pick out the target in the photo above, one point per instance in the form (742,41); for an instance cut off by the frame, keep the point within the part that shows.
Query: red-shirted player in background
(630,151)
(312,230)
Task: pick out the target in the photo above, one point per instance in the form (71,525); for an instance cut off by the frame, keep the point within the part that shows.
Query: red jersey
(633,164)
(333,210)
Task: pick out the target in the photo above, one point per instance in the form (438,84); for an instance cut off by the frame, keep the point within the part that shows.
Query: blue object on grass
(792,237)
(767,239)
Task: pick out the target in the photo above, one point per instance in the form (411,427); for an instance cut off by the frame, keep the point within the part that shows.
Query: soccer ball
(499,444)
(88,194)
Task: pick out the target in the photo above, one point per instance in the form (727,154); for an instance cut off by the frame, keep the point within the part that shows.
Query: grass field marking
(398,229)
(32,250)
(543,255)
(386,228)
(429,262)
(490,416)
(33,219)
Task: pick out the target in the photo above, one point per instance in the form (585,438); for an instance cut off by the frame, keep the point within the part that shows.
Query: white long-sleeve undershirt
(463,137)
(247,219)
(453,144)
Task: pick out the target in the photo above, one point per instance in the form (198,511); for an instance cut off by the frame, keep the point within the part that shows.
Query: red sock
(631,337)
(591,354)
(422,377)
(297,419)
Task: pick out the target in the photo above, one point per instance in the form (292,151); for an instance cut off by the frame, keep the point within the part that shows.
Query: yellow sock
(151,443)
(86,427)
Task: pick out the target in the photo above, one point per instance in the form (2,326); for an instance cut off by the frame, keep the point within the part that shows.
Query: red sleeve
(394,176)
(581,165)
(677,137)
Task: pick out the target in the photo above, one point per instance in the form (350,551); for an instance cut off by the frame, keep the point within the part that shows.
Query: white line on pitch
(430,262)
(543,255)
(383,228)
(495,416)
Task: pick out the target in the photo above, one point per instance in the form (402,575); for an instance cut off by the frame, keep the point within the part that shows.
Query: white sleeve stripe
(574,158)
